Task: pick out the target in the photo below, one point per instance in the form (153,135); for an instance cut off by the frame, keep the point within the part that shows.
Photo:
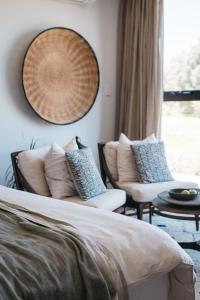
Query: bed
(153,264)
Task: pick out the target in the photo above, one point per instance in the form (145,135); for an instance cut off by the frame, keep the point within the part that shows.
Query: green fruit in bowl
(193,192)
(185,192)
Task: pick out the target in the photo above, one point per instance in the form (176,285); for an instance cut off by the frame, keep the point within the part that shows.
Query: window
(181,107)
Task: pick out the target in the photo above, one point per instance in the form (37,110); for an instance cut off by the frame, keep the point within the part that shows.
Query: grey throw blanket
(41,258)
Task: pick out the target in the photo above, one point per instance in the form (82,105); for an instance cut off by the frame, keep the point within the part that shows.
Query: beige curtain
(140,60)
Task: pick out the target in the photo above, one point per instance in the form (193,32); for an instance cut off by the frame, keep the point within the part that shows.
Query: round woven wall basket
(60,76)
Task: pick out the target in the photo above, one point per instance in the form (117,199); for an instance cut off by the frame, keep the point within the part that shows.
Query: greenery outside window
(181,107)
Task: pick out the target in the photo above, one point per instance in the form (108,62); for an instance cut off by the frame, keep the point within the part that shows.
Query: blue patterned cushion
(151,162)
(85,174)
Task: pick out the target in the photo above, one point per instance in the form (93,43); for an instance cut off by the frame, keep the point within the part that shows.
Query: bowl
(176,194)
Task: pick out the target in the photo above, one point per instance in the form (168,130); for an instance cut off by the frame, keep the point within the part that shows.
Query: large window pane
(181,119)
(182,45)
(181,133)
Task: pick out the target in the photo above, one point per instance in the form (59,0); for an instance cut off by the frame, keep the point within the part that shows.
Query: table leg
(150,213)
(197,222)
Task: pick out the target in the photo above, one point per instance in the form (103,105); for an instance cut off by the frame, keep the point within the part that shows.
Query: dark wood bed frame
(107,177)
(23,185)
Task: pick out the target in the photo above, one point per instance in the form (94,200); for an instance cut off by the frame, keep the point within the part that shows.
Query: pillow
(151,162)
(57,173)
(125,158)
(110,152)
(85,174)
(31,165)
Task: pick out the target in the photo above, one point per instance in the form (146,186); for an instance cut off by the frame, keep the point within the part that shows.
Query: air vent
(79,2)
(82,1)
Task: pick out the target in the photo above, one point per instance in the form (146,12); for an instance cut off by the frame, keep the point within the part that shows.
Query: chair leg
(150,213)
(140,208)
(124,210)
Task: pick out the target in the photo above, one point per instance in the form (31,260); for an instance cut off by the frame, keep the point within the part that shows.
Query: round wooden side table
(168,210)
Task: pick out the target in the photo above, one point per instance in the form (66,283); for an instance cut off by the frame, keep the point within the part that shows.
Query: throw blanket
(41,258)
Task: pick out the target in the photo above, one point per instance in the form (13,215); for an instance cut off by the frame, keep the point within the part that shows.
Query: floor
(182,231)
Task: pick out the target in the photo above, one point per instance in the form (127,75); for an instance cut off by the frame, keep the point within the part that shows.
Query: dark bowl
(176,194)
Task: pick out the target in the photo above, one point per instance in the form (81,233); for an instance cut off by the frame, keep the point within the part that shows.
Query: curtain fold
(140,67)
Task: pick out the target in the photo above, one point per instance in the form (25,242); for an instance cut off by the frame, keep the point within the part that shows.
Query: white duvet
(142,250)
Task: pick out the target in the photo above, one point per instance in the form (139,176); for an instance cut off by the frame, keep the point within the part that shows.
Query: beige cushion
(110,200)
(57,173)
(125,158)
(145,192)
(31,164)
(110,152)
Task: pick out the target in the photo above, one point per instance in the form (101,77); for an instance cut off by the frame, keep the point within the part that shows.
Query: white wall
(20,21)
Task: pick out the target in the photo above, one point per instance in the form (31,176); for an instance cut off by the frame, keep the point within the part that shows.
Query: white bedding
(154,288)
(142,250)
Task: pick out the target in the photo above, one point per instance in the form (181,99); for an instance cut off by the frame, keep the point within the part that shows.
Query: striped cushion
(85,174)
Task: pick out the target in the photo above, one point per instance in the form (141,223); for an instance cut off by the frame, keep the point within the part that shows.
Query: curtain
(140,60)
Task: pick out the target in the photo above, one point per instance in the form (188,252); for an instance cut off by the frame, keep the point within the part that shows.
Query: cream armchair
(138,195)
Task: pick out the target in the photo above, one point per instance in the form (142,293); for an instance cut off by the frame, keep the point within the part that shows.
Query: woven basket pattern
(60,76)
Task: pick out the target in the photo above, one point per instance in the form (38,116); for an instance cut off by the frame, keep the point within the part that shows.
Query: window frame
(186,95)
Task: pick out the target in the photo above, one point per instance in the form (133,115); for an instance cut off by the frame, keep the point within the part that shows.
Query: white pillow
(110,152)
(57,173)
(31,165)
(125,159)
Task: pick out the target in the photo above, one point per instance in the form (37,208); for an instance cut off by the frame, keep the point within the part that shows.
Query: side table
(168,210)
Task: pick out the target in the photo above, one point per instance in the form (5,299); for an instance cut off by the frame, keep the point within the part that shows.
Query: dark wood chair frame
(21,182)
(23,185)
(107,177)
